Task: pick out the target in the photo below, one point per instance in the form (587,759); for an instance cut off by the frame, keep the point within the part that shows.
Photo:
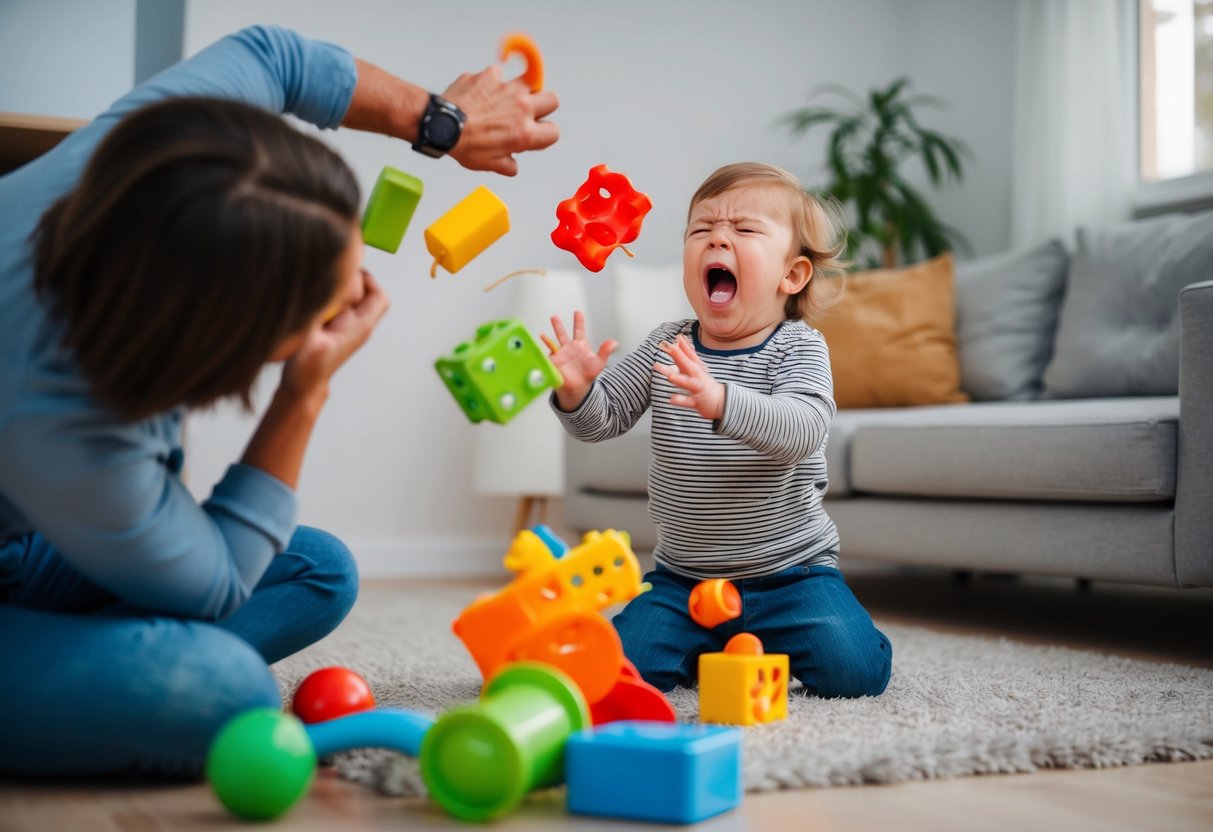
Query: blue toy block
(655,771)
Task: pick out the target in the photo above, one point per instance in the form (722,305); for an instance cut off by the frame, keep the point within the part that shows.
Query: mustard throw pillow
(892,337)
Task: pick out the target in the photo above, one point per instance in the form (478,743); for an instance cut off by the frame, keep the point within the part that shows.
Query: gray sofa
(1104,487)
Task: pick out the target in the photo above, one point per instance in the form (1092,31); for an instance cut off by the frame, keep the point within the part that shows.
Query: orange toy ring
(524,46)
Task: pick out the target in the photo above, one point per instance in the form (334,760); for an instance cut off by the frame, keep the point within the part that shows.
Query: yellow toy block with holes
(743,685)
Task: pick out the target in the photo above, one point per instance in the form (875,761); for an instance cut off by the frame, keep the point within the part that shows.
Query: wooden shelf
(24,137)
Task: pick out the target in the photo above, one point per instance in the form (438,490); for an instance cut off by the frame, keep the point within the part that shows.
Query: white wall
(64,57)
(664,92)
(963,52)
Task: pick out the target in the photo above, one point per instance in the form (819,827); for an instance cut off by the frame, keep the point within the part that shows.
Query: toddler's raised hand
(704,394)
(578,362)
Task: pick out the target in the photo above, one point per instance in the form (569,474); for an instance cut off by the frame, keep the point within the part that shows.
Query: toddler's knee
(860,674)
(657,667)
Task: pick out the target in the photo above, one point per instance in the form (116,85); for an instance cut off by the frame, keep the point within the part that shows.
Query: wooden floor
(1157,625)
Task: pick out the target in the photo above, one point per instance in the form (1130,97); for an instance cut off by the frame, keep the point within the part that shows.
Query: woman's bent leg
(303,596)
(97,694)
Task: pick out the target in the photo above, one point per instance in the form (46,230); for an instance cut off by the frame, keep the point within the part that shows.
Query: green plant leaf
(800,121)
(865,151)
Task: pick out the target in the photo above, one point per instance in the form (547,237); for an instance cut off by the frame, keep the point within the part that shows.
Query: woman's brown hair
(819,230)
(202,234)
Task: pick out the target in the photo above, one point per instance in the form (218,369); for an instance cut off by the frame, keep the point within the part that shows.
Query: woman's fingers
(544,103)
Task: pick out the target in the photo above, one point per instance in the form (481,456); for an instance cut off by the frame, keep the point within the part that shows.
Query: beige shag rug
(956,705)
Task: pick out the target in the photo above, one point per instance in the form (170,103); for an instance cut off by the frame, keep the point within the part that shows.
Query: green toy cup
(480,760)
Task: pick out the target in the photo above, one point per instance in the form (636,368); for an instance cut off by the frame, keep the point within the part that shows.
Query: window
(1176,90)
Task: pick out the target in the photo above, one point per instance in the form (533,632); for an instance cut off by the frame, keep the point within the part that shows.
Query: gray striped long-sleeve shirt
(742,496)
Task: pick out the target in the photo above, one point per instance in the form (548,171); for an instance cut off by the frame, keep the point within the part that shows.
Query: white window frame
(1155,197)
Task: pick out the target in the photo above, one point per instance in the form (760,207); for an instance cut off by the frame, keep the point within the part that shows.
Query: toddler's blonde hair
(818,229)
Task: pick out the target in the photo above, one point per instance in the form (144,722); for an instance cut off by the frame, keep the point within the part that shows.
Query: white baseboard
(430,557)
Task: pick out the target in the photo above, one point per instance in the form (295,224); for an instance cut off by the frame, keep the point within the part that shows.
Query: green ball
(261,763)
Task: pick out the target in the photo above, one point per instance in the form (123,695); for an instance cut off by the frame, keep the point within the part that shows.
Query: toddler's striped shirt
(740,497)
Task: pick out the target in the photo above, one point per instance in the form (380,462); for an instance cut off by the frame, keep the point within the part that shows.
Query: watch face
(443,130)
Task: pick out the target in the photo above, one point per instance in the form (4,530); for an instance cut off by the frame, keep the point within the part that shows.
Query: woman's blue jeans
(807,612)
(93,686)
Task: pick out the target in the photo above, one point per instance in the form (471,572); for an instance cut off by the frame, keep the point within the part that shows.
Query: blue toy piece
(381,728)
(553,541)
(654,771)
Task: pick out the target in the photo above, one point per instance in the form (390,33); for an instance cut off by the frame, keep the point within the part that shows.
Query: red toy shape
(632,698)
(331,692)
(604,214)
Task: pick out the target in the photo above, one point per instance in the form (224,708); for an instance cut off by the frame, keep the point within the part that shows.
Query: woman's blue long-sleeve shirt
(107,494)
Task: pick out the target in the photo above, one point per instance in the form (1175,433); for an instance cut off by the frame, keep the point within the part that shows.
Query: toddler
(742,399)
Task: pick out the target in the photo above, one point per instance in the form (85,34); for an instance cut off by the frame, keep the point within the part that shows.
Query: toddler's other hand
(578,362)
(704,394)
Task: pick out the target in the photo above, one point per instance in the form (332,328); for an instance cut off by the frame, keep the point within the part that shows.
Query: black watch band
(440,127)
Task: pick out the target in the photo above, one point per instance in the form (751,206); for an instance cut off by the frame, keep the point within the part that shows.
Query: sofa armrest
(1194,485)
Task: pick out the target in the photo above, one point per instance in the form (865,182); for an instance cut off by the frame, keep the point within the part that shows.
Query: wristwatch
(440,127)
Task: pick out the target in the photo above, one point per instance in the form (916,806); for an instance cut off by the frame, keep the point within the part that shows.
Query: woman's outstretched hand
(503,118)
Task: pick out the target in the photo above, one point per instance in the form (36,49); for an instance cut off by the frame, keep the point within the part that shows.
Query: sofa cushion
(1093,450)
(1118,334)
(892,337)
(1006,316)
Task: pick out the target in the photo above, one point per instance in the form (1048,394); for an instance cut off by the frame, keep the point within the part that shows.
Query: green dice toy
(495,376)
(393,201)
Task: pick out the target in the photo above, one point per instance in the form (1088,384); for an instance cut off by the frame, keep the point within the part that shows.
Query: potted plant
(867,147)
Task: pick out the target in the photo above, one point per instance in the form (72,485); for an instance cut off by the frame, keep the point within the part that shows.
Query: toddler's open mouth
(722,285)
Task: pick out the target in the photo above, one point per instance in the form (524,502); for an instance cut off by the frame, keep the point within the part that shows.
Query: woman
(154,261)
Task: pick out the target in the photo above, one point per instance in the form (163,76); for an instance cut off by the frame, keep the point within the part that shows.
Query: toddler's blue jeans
(807,612)
(91,686)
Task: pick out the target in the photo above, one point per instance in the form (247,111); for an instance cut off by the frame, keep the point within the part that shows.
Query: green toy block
(499,373)
(393,201)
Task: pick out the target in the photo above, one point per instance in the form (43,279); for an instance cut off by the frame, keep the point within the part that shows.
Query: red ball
(331,692)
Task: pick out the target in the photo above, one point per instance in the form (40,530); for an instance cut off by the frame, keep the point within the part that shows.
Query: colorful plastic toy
(499,373)
(480,760)
(742,685)
(331,692)
(714,602)
(653,771)
(391,728)
(390,208)
(263,760)
(605,214)
(459,235)
(260,763)
(632,698)
(550,613)
(600,572)
(518,43)
(553,541)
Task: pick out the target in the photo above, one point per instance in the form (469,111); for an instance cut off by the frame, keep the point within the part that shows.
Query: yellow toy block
(742,685)
(459,235)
